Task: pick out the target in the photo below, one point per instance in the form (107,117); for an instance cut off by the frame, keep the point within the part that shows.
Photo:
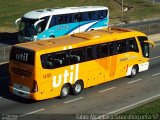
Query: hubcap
(78,88)
(133,71)
(65,91)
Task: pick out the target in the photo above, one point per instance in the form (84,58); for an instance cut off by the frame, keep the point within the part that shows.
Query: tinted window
(102,14)
(59,19)
(54,60)
(76,56)
(133,45)
(144,46)
(120,46)
(103,50)
(78,17)
(22,55)
(53,21)
(91,53)
(111,48)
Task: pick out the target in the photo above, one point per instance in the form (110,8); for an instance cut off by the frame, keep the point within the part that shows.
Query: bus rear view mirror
(36,23)
(151,43)
(16,22)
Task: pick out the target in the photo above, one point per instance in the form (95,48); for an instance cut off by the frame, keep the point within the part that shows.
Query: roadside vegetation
(150,110)
(134,9)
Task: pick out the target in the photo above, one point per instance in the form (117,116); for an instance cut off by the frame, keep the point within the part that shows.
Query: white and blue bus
(47,23)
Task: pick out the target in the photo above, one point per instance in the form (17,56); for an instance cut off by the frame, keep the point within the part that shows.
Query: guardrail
(152,28)
(148,29)
(4,54)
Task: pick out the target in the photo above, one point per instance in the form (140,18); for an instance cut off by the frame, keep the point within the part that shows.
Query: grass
(151,110)
(11,10)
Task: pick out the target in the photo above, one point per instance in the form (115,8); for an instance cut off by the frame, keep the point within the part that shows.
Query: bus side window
(60,19)
(121,47)
(76,56)
(85,16)
(66,18)
(93,15)
(100,14)
(78,17)
(54,60)
(89,17)
(62,58)
(46,61)
(70,18)
(111,49)
(104,13)
(90,53)
(75,18)
(103,50)
(133,45)
(53,21)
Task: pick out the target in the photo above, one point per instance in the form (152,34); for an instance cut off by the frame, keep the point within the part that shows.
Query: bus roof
(81,39)
(37,14)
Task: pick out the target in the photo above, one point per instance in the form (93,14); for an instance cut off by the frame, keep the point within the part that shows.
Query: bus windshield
(26,27)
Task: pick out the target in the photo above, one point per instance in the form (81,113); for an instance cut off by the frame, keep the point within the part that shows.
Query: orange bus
(60,66)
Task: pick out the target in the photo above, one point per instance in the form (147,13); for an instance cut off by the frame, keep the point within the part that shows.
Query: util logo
(63,78)
(22,57)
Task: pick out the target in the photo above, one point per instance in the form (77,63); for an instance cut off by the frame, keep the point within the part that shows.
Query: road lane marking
(73,100)
(154,57)
(5,96)
(134,81)
(4,77)
(129,107)
(156,74)
(105,90)
(32,112)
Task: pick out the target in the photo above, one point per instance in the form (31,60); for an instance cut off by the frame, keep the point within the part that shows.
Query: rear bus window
(22,55)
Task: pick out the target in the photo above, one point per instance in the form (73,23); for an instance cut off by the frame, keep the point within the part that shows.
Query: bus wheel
(77,88)
(134,71)
(65,91)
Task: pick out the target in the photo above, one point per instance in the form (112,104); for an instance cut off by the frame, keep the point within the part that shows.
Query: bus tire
(77,88)
(65,91)
(134,71)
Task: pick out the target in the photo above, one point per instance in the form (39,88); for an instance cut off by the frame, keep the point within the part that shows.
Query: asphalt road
(111,97)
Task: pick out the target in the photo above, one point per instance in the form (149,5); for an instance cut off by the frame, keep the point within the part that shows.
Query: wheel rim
(78,88)
(65,91)
(134,71)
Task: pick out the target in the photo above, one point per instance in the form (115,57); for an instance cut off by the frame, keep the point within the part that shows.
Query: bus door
(117,59)
(122,58)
